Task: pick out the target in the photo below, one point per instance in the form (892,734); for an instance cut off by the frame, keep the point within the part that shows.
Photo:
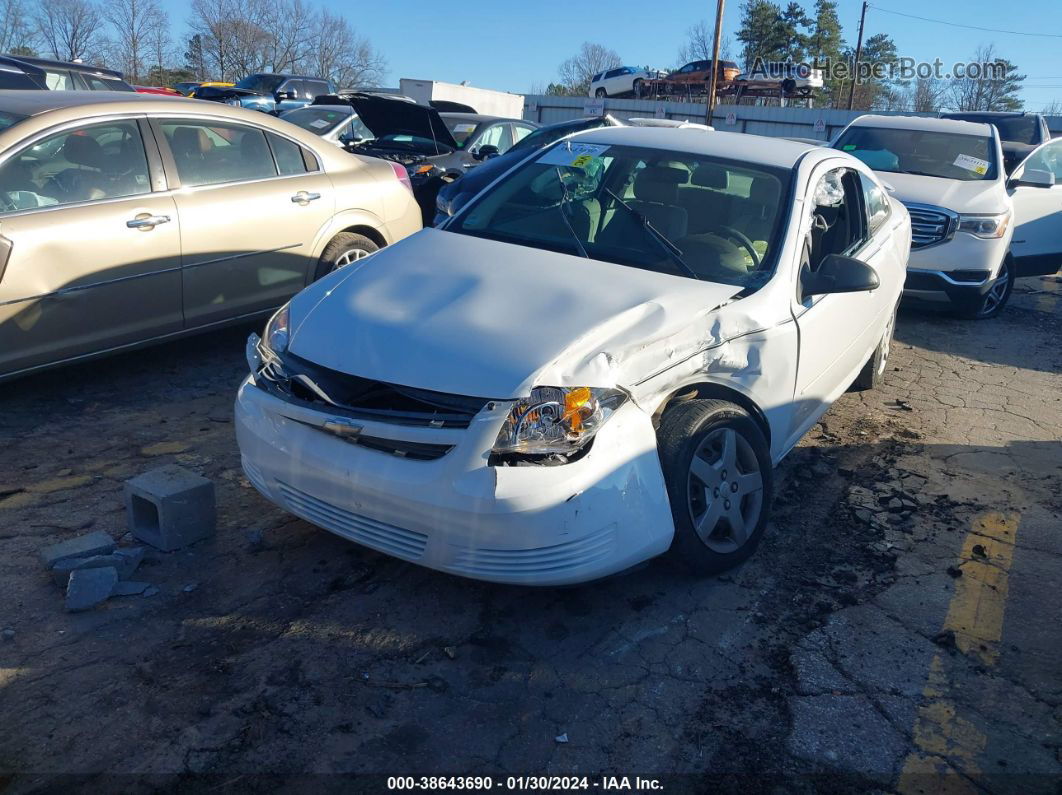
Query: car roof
(924,123)
(744,147)
(287,76)
(42,62)
(984,114)
(30,103)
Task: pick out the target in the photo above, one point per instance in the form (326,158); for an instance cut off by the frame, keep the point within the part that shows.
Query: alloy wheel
(349,256)
(997,294)
(725,490)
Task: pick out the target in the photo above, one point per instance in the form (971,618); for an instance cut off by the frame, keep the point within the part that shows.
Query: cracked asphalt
(899,629)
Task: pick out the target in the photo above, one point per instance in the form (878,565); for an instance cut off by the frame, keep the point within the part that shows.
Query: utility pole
(715,61)
(859,52)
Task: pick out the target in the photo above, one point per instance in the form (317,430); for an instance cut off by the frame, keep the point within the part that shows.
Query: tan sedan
(127,219)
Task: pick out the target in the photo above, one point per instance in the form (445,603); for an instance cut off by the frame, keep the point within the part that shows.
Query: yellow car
(129,218)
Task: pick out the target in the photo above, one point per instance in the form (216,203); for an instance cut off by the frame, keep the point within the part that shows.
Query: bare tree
(133,22)
(17,32)
(987,92)
(700,41)
(70,29)
(925,95)
(576,72)
(211,22)
(1053,108)
(290,22)
(339,54)
(158,42)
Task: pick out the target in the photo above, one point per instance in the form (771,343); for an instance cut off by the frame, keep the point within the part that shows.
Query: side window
(685,70)
(495,135)
(208,153)
(877,203)
(315,88)
(1048,158)
(57,80)
(838,222)
(520,132)
(101,161)
(288,155)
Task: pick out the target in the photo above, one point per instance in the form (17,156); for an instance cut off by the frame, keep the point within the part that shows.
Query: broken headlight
(277,332)
(556,420)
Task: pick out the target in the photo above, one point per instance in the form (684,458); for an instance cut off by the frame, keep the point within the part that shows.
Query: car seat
(656,198)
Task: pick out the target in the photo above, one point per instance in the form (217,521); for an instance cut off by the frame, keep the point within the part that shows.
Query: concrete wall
(772,121)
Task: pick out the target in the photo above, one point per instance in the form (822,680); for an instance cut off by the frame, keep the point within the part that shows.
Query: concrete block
(95,543)
(170,507)
(129,588)
(124,561)
(89,587)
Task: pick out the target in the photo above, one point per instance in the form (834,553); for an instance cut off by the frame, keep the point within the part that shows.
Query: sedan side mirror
(839,274)
(1033,178)
(486,152)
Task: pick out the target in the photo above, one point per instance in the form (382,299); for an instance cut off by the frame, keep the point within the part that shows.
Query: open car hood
(396,117)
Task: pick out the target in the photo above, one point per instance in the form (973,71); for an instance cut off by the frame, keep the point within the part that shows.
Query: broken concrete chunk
(130,588)
(124,561)
(95,543)
(170,507)
(89,587)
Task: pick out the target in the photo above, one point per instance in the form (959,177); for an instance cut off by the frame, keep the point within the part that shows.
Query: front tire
(717,469)
(992,302)
(342,250)
(601,93)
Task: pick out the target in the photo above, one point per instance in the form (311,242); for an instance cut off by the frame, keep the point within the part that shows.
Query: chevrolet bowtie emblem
(344,428)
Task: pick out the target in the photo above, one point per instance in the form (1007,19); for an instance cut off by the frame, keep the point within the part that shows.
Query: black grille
(929,226)
(302,382)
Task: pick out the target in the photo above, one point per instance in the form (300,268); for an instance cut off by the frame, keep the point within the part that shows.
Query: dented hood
(458,314)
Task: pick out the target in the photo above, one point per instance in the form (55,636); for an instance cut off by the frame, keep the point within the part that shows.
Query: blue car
(269,93)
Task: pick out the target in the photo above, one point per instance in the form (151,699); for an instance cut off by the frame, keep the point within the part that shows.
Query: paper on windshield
(318,123)
(573,154)
(974,164)
(464,128)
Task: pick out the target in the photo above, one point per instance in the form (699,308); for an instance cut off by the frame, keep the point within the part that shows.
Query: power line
(969,27)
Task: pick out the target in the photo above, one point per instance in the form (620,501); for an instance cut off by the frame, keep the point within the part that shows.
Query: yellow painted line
(947,746)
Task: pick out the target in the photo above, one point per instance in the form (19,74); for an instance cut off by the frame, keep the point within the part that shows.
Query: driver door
(1037,243)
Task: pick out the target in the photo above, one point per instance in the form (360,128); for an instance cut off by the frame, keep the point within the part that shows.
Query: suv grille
(930,225)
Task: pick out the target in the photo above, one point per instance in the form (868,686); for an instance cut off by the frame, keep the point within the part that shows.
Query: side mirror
(283,95)
(486,152)
(1033,178)
(839,274)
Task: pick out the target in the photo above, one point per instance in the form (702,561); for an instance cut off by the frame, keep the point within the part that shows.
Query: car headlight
(988,226)
(556,420)
(277,332)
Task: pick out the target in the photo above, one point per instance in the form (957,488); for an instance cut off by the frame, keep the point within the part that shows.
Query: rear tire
(342,250)
(636,88)
(873,372)
(717,469)
(992,303)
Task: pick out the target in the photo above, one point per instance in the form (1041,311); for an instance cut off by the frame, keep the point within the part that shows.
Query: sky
(515,45)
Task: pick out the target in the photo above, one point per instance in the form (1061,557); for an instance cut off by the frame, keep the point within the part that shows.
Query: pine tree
(825,45)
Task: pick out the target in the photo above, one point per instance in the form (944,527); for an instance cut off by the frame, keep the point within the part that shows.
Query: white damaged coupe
(600,358)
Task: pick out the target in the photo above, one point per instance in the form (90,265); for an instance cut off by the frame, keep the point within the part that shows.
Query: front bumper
(960,270)
(528,525)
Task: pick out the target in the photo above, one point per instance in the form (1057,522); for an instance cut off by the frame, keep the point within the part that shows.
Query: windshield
(261,84)
(1017,129)
(928,154)
(321,121)
(544,136)
(460,129)
(669,212)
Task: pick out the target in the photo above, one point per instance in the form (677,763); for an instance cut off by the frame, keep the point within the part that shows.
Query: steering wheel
(741,238)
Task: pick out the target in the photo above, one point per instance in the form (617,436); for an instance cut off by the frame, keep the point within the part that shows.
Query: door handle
(303,197)
(147,221)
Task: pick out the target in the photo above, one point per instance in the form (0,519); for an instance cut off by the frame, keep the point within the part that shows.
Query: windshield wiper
(566,197)
(673,251)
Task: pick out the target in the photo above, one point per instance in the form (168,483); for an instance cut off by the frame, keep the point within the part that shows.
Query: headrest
(708,175)
(764,190)
(84,151)
(191,141)
(659,184)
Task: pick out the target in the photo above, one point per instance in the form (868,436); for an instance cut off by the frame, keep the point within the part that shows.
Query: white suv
(973,231)
(614,82)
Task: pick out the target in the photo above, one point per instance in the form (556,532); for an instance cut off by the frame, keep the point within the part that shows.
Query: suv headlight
(556,420)
(987,226)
